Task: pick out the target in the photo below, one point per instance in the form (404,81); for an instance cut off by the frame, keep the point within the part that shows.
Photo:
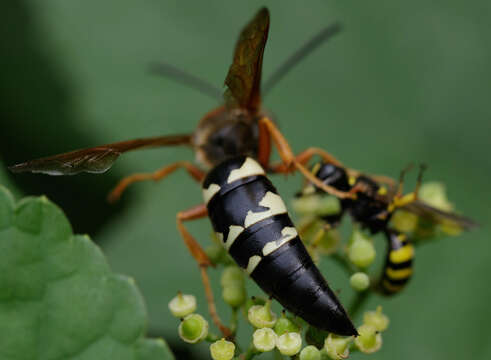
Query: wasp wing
(96,159)
(435,215)
(244,76)
(422,208)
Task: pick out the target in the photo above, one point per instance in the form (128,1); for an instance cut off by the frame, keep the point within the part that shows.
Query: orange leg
(290,162)
(305,156)
(264,146)
(192,170)
(201,258)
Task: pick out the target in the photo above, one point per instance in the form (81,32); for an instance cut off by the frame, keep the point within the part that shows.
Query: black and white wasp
(244,207)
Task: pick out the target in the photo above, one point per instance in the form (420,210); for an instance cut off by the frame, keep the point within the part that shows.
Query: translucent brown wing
(244,76)
(435,215)
(96,159)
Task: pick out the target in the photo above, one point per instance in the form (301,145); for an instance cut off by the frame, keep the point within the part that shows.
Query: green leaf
(58,296)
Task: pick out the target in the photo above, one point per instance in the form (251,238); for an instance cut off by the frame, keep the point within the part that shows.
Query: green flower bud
(193,328)
(289,344)
(215,253)
(285,325)
(222,350)
(404,221)
(310,353)
(361,251)
(261,316)
(435,194)
(337,347)
(375,318)
(264,339)
(359,281)
(251,301)
(369,340)
(317,204)
(328,205)
(306,205)
(182,305)
(234,295)
(232,275)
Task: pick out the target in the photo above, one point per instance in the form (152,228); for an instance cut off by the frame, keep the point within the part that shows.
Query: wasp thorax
(226,133)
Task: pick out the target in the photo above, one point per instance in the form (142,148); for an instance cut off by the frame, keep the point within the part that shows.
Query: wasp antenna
(313,43)
(184,78)
(404,171)
(419,181)
(401,178)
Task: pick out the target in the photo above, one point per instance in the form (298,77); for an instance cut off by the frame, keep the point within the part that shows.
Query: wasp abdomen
(398,267)
(251,219)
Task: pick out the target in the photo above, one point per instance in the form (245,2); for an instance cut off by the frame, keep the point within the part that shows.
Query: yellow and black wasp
(376,200)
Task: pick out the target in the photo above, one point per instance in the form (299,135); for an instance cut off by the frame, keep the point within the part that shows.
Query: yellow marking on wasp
(233,232)
(398,202)
(275,206)
(351,180)
(249,168)
(405,253)
(287,233)
(402,237)
(253,263)
(382,190)
(209,192)
(391,287)
(399,274)
(316,168)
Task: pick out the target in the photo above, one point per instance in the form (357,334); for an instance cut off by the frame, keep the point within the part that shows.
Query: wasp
(232,144)
(377,198)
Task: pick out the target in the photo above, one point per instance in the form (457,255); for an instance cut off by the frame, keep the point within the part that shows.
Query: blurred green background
(404,82)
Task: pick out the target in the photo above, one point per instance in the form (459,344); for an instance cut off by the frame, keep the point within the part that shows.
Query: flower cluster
(291,336)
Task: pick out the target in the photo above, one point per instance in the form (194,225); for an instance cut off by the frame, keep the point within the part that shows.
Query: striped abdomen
(251,219)
(398,264)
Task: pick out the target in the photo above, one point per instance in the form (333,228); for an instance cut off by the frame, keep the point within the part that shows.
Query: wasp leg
(264,146)
(291,164)
(192,170)
(419,181)
(201,258)
(305,156)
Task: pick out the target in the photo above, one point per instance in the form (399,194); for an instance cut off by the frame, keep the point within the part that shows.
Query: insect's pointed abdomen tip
(346,328)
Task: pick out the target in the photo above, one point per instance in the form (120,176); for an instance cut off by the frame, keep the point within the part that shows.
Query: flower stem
(341,260)
(249,354)
(358,301)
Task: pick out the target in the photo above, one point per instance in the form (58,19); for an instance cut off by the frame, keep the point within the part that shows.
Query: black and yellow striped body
(398,267)
(251,219)
(366,210)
